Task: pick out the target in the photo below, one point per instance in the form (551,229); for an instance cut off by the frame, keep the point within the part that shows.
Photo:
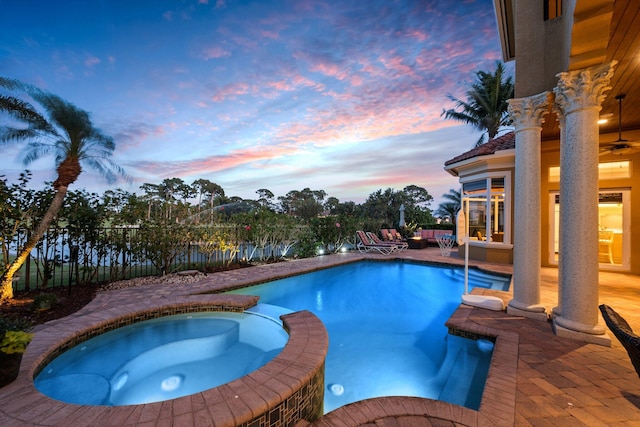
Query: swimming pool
(163,358)
(386,329)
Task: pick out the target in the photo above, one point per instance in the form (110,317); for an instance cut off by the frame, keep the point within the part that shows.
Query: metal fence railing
(67,257)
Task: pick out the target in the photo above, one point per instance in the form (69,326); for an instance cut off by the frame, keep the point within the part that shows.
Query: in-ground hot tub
(162,358)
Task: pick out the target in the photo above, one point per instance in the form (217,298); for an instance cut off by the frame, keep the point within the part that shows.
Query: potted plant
(14,339)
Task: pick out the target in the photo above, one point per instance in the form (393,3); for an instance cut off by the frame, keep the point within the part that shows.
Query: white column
(579,95)
(527,115)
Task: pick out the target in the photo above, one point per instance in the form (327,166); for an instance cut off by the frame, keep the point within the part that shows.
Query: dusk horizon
(279,95)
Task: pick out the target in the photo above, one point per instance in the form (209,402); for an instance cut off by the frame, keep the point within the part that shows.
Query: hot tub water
(162,358)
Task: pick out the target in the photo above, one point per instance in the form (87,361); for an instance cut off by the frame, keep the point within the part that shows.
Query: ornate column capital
(529,112)
(584,88)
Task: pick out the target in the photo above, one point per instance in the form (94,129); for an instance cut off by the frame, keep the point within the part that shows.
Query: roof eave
(454,169)
(504,17)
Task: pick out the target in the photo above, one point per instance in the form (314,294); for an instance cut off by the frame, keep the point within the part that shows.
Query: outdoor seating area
(400,244)
(368,242)
(391,235)
(421,239)
(431,236)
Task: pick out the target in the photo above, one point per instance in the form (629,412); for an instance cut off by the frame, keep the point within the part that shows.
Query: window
(613,229)
(614,170)
(610,170)
(487,208)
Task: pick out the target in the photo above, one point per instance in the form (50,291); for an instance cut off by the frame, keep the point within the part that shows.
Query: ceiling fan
(620,146)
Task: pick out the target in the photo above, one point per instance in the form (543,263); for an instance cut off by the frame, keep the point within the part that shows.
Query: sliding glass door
(613,229)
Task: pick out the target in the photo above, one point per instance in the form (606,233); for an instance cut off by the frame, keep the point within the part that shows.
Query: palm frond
(486,107)
(35,151)
(64,131)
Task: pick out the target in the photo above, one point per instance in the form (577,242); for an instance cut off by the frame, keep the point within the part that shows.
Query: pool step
(460,380)
(269,311)
(478,279)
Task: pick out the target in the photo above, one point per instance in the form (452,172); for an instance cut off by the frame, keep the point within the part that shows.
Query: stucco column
(579,95)
(527,115)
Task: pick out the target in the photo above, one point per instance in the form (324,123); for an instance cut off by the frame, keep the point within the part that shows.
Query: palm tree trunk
(6,288)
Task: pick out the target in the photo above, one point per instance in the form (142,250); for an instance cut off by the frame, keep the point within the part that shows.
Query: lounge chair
(386,235)
(621,329)
(364,244)
(395,235)
(400,245)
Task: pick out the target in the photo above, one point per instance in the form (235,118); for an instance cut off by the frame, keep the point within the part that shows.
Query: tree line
(47,125)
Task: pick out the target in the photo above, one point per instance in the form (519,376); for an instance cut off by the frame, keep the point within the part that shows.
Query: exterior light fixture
(604,118)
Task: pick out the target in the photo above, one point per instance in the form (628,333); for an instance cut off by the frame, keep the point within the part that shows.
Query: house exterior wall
(542,50)
(488,254)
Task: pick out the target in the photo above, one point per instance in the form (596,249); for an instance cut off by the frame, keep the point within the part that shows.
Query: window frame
(507,206)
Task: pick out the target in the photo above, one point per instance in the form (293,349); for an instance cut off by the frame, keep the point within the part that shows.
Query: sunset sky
(340,96)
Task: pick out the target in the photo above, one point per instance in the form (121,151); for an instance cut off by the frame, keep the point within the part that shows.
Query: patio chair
(605,241)
(621,329)
(365,245)
(399,245)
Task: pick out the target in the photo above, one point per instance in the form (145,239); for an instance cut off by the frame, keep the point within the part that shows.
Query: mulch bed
(21,307)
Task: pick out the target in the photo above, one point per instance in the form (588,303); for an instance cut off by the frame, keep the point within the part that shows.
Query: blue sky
(340,96)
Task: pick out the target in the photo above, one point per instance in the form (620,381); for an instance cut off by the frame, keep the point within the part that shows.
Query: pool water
(162,359)
(386,330)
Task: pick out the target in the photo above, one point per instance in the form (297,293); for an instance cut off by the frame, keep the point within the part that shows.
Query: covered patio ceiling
(623,45)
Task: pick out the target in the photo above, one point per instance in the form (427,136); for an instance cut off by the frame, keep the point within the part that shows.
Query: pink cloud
(231,91)
(270,35)
(418,35)
(281,85)
(215,52)
(373,115)
(356,80)
(134,134)
(331,70)
(91,61)
(246,42)
(211,164)
(397,66)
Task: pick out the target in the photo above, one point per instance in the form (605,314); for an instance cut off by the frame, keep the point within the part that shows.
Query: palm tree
(486,107)
(67,133)
(451,207)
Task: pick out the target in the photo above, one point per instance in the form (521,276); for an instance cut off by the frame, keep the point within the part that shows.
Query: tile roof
(504,142)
